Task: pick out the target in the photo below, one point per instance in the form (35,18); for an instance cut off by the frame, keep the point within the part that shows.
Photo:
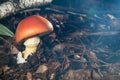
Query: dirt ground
(83,46)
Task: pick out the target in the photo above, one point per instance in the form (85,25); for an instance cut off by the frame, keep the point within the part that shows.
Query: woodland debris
(29,76)
(74,49)
(12,6)
(42,69)
(77,75)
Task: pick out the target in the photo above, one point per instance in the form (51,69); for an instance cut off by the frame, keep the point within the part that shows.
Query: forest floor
(81,47)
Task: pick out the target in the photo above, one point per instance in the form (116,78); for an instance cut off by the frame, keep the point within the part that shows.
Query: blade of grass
(5,31)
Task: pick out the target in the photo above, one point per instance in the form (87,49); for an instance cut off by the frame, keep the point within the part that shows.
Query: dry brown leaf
(42,68)
(6,68)
(95,75)
(29,76)
(54,65)
(92,55)
(13,50)
(67,61)
(53,35)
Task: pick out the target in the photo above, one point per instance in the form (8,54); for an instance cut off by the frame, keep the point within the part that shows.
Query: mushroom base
(30,46)
(29,51)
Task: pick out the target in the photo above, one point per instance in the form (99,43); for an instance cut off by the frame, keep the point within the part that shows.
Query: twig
(95,33)
(5,40)
(66,10)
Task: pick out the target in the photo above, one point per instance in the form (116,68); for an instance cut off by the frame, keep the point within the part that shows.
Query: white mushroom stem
(30,46)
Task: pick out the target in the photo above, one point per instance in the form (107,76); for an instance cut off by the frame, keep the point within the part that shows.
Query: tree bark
(13,6)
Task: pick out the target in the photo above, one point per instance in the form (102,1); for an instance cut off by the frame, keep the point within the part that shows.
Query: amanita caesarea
(29,30)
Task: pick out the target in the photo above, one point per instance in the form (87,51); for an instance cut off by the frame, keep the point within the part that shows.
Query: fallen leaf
(42,68)
(54,65)
(29,76)
(13,50)
(5,68)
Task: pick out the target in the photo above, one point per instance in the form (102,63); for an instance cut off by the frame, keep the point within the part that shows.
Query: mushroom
(29,30)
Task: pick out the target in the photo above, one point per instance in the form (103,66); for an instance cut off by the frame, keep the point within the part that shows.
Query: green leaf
(5,31)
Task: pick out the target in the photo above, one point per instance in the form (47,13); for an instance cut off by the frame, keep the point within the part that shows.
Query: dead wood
(12,6)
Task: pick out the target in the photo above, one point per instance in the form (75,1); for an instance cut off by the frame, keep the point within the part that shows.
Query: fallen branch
(95,33)
(13,6)
(66,10)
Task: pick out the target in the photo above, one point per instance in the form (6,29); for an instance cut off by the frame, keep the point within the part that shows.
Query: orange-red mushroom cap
(31,26)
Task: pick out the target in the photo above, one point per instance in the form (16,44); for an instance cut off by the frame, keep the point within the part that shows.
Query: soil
(81,47)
